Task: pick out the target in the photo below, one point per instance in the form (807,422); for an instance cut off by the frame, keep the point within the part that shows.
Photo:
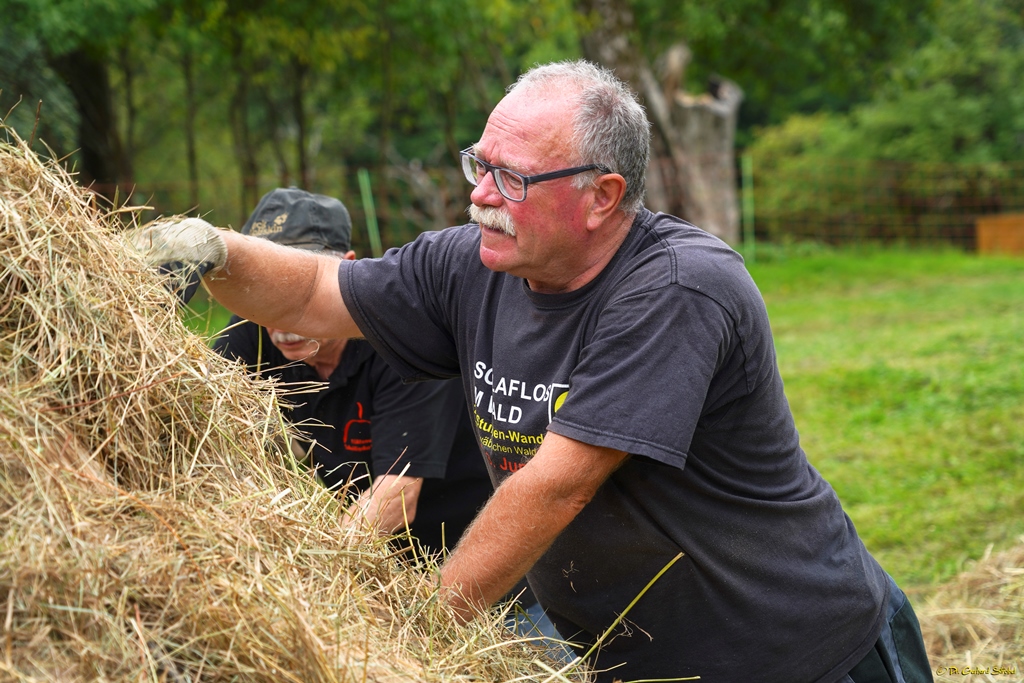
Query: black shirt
(367,422)
(667,355)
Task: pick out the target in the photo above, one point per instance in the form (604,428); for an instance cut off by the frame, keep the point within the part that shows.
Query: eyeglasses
(512,185)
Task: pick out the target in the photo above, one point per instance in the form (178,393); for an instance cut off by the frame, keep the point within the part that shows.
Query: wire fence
(838,202)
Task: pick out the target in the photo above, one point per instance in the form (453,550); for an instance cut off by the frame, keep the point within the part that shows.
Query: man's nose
(486,192)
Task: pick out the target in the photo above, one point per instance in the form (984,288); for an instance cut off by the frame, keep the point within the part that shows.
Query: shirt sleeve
(408,289)
(413,424)
(643,377)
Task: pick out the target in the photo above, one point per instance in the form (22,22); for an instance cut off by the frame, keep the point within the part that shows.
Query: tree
(77,39)
(692,171)
(955,99)
(180,24)
(33,100)
(777,56)
(789,56)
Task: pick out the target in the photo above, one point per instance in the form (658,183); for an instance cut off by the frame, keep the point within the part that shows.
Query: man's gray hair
(610,127)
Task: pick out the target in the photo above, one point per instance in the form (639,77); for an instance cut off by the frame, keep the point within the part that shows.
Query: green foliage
(958,97)
(955,99)
(268,93)
(905,371)
(368,84)
(790,154)
(289,92)
(789,57)
(62,25)
(27,86)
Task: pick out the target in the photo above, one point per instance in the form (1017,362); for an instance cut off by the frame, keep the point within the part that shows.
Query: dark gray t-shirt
(666,355)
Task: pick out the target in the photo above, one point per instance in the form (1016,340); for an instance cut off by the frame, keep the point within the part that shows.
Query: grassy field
(905,370)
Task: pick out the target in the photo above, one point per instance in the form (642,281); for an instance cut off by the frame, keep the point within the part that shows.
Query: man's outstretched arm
(289,289)
(271,285)
(522,519)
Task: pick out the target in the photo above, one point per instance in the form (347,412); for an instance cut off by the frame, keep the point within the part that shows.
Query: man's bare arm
(524,516)
(274,286)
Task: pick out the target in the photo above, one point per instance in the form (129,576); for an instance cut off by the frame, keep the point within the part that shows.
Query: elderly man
(622,377)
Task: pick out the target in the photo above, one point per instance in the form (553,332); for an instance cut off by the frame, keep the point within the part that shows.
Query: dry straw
(150,528)
(974,625)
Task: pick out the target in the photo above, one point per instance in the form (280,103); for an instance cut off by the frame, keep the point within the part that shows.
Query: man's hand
(388,505)
(266,283)
(185,250)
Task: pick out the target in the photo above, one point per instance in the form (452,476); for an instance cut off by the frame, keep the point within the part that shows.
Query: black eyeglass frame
(467,154)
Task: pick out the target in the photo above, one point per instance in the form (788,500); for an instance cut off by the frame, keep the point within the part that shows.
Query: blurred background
(837,121)
(864,155)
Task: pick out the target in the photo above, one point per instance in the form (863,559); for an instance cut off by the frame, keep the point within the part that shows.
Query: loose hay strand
(153,526)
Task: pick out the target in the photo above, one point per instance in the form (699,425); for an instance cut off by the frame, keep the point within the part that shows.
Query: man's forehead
(522,129)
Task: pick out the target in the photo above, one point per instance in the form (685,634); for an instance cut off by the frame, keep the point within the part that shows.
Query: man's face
(529,132)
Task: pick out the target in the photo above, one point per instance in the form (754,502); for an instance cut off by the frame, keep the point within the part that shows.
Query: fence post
(749,250)
(371,213)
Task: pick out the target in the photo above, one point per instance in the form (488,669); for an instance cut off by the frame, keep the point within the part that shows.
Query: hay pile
(150,528)
(976,622)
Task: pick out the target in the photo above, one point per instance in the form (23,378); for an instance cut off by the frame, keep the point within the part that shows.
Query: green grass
(905,370)
(204,316)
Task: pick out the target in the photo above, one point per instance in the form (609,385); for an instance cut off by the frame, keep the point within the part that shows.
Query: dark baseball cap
(301,219)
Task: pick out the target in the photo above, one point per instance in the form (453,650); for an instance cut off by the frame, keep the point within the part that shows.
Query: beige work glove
(185,250)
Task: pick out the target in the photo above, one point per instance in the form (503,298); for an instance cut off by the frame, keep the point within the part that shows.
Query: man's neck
(599,259)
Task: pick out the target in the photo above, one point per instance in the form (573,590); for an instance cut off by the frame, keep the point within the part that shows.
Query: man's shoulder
(457,238)
(669,250)
(367,361)
(685,240)
(452,252)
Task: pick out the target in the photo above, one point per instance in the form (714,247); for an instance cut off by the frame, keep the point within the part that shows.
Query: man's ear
(608,189)
(349,256)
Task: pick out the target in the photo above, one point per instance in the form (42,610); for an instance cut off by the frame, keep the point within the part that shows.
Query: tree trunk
(191,159)
(386,115)
(450,104)
(275,135)
(696,136)
(299,113)
(608,43)
(127,68)
(103,164)
(241,133)
(692,172)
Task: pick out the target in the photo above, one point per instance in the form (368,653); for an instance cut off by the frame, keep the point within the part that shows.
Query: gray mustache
(493,217)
